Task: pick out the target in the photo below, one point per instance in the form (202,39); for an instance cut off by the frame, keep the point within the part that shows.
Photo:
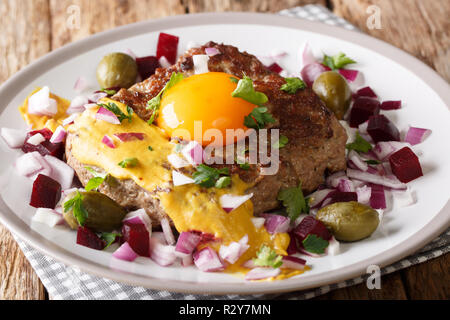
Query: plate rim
(416,241)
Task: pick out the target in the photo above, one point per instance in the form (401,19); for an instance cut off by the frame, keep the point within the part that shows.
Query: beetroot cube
(46,147)
(366,92)
(46,192)
(147,66)
(274,67)
(293,246)
(137,237)
(363,108)
(405,165)
(88,238)
(310,225)
(339,196)
(167,47)
(381,128)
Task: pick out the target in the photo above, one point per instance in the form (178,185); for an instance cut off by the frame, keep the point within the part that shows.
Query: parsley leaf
(155,102)
(246,91)
(109,237)
(234,80)
(294,201)
(372,162)
(116,110)
(129,163)
(208,177)
(76,204)
(96,181)
(223,182)
(109,92)
(258,118)
(292,85)
(282,142)
(150,148)
(244,166)
(267,257)
(315,244)
(359,144)
(337,61)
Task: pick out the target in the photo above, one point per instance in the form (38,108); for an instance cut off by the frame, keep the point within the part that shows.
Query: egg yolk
(201,108)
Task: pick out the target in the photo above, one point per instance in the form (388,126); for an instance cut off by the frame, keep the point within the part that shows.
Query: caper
(104,214)
(117,70)
(349,221)
(334,91)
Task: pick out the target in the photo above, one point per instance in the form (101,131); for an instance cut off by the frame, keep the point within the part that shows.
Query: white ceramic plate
(392,73)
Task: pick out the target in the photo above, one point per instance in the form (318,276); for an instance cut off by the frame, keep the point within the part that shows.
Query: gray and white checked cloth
(69,283)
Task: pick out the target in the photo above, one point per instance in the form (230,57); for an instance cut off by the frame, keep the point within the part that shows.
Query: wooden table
(31,28)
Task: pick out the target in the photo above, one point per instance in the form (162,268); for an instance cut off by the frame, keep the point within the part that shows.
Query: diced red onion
(230,202)
(333,179)
(193,152)
(391,105)
(349,74)
(363,127)
(60,172)
(77,105)
(384,149)
(47,216)
(164,62)
(70,120)
(311,71)
(249,264)
(180,179)
(125,252)
(310,254)
(187,242)
(207,260)
(108,141)
(14,138)
(200,63)
(95,97)
(346,185)
(306,55)
(291,262)
(364,193)
(333,248)
(162,254)
(106,115)
(276,223)
(212,51)
(139,217)
(404,198)
(187,260)
(176,161)
(81,84)
(41,104)
(356,159)
(258,222)
(377,198)
(130,52)
(387,181)
(230,253)
(416,135)
(36,139)
(129,136)
(262,273)
(167,230)
(318,197)
(27,164)
(59,135)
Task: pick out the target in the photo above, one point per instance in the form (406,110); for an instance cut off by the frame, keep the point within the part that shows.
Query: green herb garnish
(207,177)
(109,237)
(315,244)
(282,142)
(294,201)
(223,182)
(96,181)
(372,162)
(109,92)
(359,144)
(338,61)
(155,103)
(292,85)
(258,118)
(150,148)
(111,106)
(267,257)
(244,166)
(79,212)
(234,80)
(129,163)
(246,91)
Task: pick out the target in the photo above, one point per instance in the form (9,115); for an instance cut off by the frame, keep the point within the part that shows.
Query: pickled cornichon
(103,213)
(117,70)
(349,221)
(334,91)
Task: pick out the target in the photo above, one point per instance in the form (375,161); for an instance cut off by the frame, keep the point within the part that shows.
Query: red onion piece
(59,135)
(276,223)
(14,138)
(200,63)
(187,242)
(311,71)
(207,260)
(130,136)
(70,120)
(77,105)
(333,248)
(164,63)
(290,262)
(364,194)
(416,135)
(81,84)
(162,254)
(193,152)
(60,171)
(230,202)
(180,179)
(95,97)
(108,141)
(318,197)
(306,54)
(27,164)
(125,252)
(346,185)
(232,252)
(167,230)
(36,139)
(167,47)
(258,222)
(176,161)
(386,181)
(106,115)
(41,104)
(391,105)
(262,273)
(212,51)
(48,216)
(349,74)
(377,198)
(357,160)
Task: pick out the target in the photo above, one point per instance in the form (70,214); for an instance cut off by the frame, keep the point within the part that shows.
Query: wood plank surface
(31,28)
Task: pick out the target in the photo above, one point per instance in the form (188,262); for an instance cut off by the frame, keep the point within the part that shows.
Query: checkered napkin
(68,282)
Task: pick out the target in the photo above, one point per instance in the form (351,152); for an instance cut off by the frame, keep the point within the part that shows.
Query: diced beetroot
(167,47)
(137,237)
(88,238)
(293,246)
(363,108)
(381,128)
(274,67)
(391,105)
(366,92)
(147,66)
(405,165)
(377,197)
(339,196)
(46,192)
(45,148)
(310,225)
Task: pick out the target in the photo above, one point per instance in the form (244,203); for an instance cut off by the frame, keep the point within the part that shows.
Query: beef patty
(316,138)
